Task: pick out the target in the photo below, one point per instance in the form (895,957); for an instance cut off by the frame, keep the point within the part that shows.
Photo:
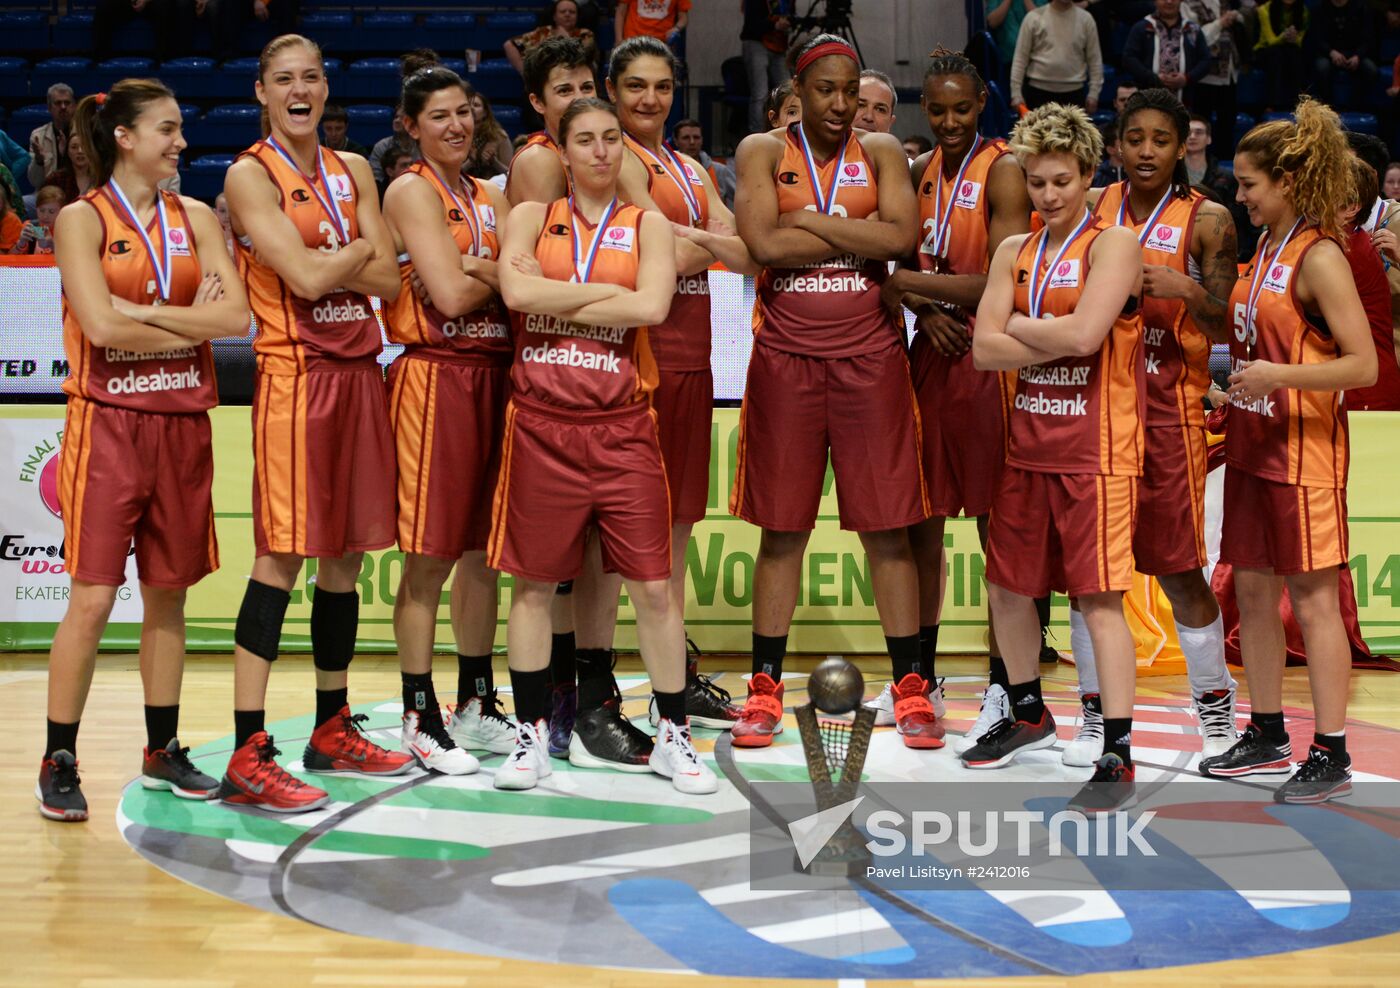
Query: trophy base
(845,860)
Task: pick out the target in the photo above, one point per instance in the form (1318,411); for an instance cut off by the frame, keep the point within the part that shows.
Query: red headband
(824,49)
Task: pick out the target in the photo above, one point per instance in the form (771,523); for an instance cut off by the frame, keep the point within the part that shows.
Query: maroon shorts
(962,412)
(563,471)
(1066,532)
(323,461)
(447,415)
(126,476)
(860,410)
(1171,529)
(1282,527)
(685,406)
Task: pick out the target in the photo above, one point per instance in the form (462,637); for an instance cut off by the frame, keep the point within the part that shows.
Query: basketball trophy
(835,751)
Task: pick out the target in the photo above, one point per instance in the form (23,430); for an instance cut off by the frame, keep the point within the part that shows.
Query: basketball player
(828,375)
(1060,308)
(447,405)
(146,284)
(584,277)
(1189,255)
(972,196)
(1300,338)
(314,247)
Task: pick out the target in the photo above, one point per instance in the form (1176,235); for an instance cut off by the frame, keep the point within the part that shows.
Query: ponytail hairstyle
(1173,109)
(423,83)
(801,56)
(1058,129)
(97,118)
(640,46)
(270,51)
(943,61)
(413,62)
(577,109)
(1313,149)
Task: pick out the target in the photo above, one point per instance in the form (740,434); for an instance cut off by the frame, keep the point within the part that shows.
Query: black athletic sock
(1026,701)
(904,655)
(562,660)
(475,676)
(594,664)
(419,696)
(329,703)
(1118,738)
(768,652)
(162,724)
(671,706)
(1270,725)
(531,692)
(246,723)
(335,619)
(1334,744)
(996,674)
(62,737)
(928,650)
(1042,611)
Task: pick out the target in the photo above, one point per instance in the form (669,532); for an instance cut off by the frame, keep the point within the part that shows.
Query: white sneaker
(528,761)
(1087,747)
(883,705)
(434,749)
(996,707)
(675,758)
(1215,717)
(482,726)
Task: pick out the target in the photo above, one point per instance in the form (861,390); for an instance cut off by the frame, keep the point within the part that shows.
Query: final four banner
(835,613)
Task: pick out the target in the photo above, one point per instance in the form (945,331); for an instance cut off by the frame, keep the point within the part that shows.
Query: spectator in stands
(398,140)
(396,162)
(335,126)
(1283,24)
(1223,25)
(13,156)
(663,19)
(917,145)
(11,223)
(1004,18)
(1372,151)
(558,19)
(231,15)
(48,145)
(1120,97)
(1390,187)
(172,21)
(1163,49)
(1110,170)
(783,106)
(9,191)
(37,237)
(876,101)
(77,178)
(764,37)
(690,139)
(1369,269)
(491,148)
(1342,33)
(1203,169)
(1057,58)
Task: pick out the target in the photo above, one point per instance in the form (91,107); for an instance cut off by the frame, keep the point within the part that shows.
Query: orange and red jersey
(169,381)
(483,334)
(682,342)
(1079,415)
(1288,436)
(1176,354)
(830,308)
(954,212)
(539,137)
(572,365)
(292,331)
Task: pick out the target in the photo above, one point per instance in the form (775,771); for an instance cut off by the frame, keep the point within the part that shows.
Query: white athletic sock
(1082,646)
(1204,649)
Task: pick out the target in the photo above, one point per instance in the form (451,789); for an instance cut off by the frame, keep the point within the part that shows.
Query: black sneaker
(1321,777)
(604,738)
(59,790)
(1252,754)
(706,705)
(1049,654)
(170,768)
(563,708)
(1009,737)
(1110,788)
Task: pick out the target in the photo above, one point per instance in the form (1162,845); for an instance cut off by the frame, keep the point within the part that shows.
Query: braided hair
(943,61)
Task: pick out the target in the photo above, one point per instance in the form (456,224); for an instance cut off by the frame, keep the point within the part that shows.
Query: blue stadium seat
(75,71)
(1276,115)
(1227,165)
(496,29)
(124,67)
(332,30)
(235,126)
(1110,87)
(458,65)
(370,79)
(1252,92)
(73,32)
(389,31)
(204,178)
(508,117)
(14,77)
(1243,122)
(451,32)
(136,35)
(24,31)
(1365,123)
(371,118)
(188,112)
(1103,117)
(192,77)
(23,121)
(496,79)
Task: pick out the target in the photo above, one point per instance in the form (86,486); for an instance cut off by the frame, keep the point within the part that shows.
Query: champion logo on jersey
(1277,279)
(1065,275)
(120,247)
(179,242)
(969,195)
(456,215)
(1164,238)
(853,176)
(618,238)
(300,196)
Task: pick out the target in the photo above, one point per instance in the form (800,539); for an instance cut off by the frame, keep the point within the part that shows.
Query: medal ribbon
(1151,220)
(331,207)
(160,262)
(673,166)
(827,201)
(1256,285)
(1039,283)
(467,211)
(583,264)
(944,214)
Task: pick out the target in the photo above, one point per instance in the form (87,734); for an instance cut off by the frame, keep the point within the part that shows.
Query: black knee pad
(259,627)
(565,588)
(335,619)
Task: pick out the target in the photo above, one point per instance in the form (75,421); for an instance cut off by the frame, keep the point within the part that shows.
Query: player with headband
(824,209)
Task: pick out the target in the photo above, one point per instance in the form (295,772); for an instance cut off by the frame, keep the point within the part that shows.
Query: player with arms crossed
(1060,309)
(824,209)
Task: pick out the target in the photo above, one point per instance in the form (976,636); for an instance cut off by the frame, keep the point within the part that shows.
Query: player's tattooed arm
(1219,272)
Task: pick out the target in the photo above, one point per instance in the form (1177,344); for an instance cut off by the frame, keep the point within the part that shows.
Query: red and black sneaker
(1111,788)
(762,716)
(1008,739)
(254,778)
(170,768)
(59,790)
(340,745)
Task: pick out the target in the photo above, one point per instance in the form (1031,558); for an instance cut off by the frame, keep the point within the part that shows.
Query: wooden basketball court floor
(80,907)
